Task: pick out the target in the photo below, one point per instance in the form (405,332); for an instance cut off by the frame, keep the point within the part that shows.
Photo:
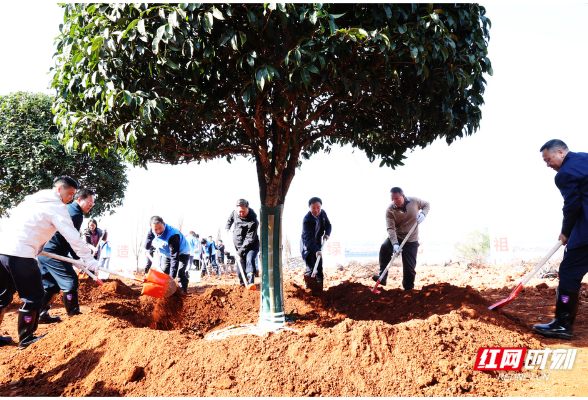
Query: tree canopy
(276,82)
(31,156)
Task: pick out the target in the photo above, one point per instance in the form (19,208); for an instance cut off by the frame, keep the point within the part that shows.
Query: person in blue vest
(572,181)
(59,275)
(173,247)
(315,227)
(209,252)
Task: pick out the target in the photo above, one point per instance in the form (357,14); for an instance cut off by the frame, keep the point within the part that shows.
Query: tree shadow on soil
(34,382)
(394,306)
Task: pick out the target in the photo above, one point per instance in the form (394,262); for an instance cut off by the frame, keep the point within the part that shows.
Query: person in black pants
(572,181)
(60,275)
(315,228)
(31,224)
(245,238)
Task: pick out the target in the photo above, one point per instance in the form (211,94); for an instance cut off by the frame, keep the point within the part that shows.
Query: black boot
(72,305)
(566,308)
(4,340)
(383,281)
(44,317)
(27,325)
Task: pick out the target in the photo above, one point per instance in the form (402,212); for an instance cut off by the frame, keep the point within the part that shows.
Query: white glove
(92,265)
(421,217)
(397,248)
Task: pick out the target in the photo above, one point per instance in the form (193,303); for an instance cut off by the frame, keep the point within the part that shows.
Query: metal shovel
(81,265)
(249,286)
(375,288)
(526,279)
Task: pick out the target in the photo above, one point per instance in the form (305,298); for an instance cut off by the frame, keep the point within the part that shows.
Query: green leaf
(141,27)
(305,76)
(128,97)
(260,78)
(147,114)
(217,14)
(246,97)
(208,21)
(171,63)
(311,68)
(97,43)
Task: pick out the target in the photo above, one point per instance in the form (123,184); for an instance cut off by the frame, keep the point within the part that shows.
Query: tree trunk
(272,192)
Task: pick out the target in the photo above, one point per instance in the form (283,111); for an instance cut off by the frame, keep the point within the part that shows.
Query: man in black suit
(315,228)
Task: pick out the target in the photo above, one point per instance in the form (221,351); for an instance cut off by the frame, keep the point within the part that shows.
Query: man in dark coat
(572,181)
(59,275)
(245,238)
(316,227)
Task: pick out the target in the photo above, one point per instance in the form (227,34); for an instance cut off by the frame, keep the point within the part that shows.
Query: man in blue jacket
(173,247)
(572,181)
(315,227)
(59,275)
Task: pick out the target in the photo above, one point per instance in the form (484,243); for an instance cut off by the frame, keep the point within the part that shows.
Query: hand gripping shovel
(526,279)
(248,285)
(153,292)
(158,284)
(375,288)
(81,265)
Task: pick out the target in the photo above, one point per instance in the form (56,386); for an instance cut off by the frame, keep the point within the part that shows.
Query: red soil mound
(349,342)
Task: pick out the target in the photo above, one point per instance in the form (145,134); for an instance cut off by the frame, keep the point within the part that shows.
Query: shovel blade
(156,284)
(510,298)
(312,284)
(375,288)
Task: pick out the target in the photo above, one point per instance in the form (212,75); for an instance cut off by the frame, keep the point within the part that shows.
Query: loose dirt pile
(347,342)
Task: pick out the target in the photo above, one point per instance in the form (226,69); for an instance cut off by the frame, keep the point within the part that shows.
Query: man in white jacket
(31,224)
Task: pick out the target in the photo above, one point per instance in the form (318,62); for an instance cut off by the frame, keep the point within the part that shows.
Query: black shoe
(4,340)
(44,317)
(27,325)
(566,309)
(71,302)
(383,281)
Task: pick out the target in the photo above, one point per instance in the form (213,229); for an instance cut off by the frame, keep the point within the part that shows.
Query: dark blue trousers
(573,268)
(58,275)
(248,263)
(310,261)
(21,275)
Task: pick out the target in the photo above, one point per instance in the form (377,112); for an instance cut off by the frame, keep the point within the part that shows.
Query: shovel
(526,279)
(153,286)
(249,286)
(375,288)
(318,259)
(81,265)
(310,281)
(158,284)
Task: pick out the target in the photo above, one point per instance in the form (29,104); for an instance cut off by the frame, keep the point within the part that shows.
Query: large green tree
(276,82)
(31,155)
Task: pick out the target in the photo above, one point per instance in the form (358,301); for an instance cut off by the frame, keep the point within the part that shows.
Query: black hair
(156,220)
(396,190)
(314,200)
(65,181)
(83,194)
(94,222)
(553,145)
(242,203)
(204,241)
(193,234)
